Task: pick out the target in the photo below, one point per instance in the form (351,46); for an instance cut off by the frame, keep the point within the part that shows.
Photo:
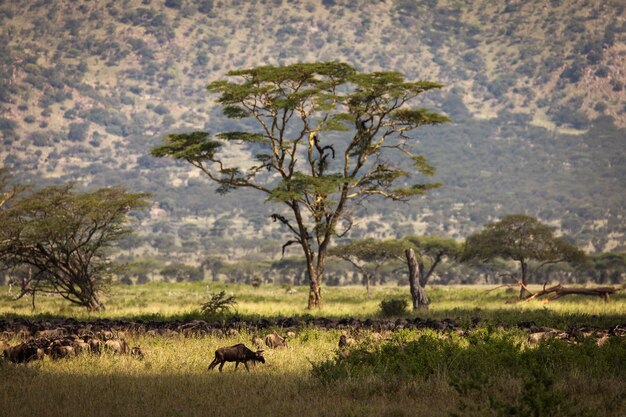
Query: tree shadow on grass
(26,391)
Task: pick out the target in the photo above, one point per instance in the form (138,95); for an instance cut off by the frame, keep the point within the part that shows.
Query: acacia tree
(608,267)
(422,253)
(8,190)
(432,250)
(63,238)
(320,138)
(523,239)
(368,255)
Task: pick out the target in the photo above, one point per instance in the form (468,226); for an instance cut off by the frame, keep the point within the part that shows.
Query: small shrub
(125,280)
(256,281)
(219,304)
(393,306)
(161,109)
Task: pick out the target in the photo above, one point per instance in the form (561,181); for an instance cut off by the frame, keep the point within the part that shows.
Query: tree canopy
(521,238)
(318,136)
(432,251)
(63,237)
(368,255)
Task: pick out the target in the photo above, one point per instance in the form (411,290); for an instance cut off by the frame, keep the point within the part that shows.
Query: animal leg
(212,365)
(246,364)
(221,366)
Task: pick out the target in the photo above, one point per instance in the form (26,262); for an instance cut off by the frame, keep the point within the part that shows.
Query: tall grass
(173,380)
(415,373)
(489,372)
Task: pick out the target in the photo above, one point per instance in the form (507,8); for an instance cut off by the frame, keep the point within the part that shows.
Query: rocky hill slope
(535,89)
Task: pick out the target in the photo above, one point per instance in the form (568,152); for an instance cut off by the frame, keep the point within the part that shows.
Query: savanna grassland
(487,364)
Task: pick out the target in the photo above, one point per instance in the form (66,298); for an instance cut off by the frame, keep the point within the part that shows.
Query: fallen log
(558,291)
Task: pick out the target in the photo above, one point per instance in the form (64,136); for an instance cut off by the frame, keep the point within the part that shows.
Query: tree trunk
(522,291)
(315,270)
(96,304)
(420,300)
(315,292)
(367,284)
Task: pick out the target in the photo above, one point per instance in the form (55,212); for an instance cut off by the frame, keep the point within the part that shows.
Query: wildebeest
(61,351)
(22,353)
(80,346)
(273,341)
(257,341)
(116,347)
(238,354)
(345,341)
(137,352)
(96,345)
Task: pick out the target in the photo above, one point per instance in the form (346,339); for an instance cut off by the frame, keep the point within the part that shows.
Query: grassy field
(166,301)
(487,372)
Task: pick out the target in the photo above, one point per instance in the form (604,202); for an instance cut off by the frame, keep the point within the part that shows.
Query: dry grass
(173,378)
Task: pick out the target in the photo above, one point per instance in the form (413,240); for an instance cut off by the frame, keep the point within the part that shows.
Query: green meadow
(169,301)
(488,370)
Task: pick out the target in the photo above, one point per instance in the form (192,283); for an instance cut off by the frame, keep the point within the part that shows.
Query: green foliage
(256,281)
(371,249)
(64,238)
(181,272)
(293,106)
(193,146)
(394,307)
(161,109)
(218,305)
(78,132)
(473,361)
(521,238)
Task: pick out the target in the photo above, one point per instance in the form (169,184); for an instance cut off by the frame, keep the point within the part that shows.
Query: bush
(393,307)
(218,305)
(78,132)
(478,357)
(161,109)
(256,281)
(40,139)
(173,4)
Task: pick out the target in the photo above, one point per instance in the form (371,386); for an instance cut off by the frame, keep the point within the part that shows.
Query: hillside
(535,89)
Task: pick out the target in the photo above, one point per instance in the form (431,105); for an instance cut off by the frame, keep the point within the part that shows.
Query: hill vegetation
(535,89)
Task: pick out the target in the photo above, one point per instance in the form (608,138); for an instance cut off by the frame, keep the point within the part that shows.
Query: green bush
(393,306)
(219,304)
(256,281)
(478,356)
(476,365)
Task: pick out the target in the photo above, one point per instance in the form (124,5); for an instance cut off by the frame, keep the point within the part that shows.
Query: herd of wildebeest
(64,338)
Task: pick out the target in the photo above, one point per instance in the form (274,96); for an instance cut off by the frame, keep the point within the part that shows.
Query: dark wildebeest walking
(238,354)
